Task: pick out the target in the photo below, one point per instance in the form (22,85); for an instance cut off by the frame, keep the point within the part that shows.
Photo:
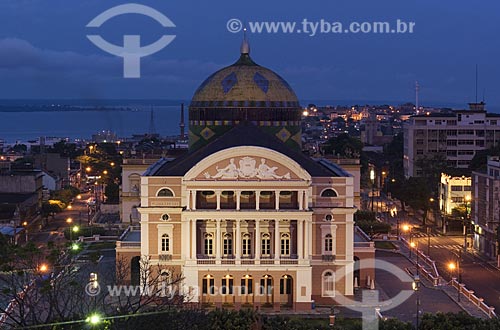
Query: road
(53,231)
(477,275)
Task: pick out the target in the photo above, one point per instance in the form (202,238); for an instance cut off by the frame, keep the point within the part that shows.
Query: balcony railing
(328,257)
(128,245)
(165,257)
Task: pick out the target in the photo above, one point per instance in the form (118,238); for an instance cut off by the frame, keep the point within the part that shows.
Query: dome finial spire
(245,46)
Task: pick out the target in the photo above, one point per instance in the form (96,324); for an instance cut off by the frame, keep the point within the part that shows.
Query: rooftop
(245,134)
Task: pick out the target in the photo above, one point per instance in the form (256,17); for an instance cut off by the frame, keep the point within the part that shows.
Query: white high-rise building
(457,135)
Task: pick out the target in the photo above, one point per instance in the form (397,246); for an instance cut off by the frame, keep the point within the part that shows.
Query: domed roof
(245,84)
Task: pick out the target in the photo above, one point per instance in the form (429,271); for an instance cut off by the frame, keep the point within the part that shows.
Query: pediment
(247,163)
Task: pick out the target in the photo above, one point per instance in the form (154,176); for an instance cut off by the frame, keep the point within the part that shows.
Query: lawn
(385,245)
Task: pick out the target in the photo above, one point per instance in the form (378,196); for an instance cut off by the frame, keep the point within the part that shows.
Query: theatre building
(244,216)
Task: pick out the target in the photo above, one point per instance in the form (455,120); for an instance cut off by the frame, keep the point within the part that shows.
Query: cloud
(48,73)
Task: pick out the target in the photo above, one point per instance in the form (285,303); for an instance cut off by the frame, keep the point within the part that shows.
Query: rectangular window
(328,244)
(227,286)
(285,285)
(285,246)
(266,246)
(246,246)
(456,188)
(164,245)
(227,246)
(209,246)
(208,284)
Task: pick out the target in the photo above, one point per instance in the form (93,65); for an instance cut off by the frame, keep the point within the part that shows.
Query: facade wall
(486,208)
(457,136)
(309,224)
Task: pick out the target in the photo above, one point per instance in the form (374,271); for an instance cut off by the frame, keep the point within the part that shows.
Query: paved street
(431,300)
(55,227)
(477,275)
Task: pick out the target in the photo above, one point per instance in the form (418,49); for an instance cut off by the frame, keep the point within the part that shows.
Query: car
(93,279)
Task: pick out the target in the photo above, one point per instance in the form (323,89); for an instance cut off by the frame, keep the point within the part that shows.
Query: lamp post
(372,178)
(466,220)
(25,225)
(456,267)
(416,288)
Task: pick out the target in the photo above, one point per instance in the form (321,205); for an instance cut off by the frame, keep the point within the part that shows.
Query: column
(301,199)
(217,193)
(238,195)
(193,199)
(334,239)
(257,199)
(309,237)
(193,239)
(277,199)
(237,241)
(300,238)
(185,238)
(277,240)
(306,243)
(306,200)
(257,239)
(217,241)
(188,202)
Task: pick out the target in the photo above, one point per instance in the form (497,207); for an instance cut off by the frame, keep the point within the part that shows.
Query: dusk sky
(44,51)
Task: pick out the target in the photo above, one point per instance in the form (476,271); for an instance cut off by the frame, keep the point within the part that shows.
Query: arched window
(227,245)
(209,244)
(227,284)
(165,243)
(247,243)
(165,192)
(285,244)
(328,193)
(266,244)
(328,243)
(246,284)
(208,284)
(328,285)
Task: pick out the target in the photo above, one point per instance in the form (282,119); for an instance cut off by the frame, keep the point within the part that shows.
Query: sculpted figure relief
(247,169)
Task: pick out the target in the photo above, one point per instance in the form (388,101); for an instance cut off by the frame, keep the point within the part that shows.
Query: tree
(450,321)
(112,193)
(344,145)
(481,157)
(50,209)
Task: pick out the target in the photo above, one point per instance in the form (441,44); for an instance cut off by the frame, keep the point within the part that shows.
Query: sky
(45,54)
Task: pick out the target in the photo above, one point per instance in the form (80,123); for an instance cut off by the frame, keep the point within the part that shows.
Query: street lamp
(372,178)
(456,267)
(466,220)
(407,228)
(43,268)
(94,319)
(25,225)
(416,288)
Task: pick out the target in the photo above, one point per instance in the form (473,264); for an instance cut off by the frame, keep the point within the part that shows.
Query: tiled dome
(244,92)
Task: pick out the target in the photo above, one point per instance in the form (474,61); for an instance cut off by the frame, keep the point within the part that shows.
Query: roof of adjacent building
(10,198)
(245,134)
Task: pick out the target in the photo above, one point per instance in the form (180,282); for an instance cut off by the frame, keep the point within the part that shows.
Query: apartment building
(457,135)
